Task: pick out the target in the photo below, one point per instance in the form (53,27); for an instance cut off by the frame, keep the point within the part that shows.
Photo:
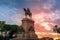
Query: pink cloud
(44,15)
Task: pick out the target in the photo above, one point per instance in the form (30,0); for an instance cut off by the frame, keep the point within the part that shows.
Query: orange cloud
(43,16)
(47,34)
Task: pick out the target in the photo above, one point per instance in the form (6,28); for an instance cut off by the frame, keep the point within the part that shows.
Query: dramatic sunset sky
(46,13)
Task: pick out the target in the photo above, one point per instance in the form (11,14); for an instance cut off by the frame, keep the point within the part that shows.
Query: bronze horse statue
(27,12)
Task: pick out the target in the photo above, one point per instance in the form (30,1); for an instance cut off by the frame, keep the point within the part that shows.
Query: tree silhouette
(21,29)
(56,29)
(13,30)
(7,27)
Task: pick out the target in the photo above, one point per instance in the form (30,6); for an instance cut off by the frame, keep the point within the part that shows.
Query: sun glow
(42,21)
(46,26)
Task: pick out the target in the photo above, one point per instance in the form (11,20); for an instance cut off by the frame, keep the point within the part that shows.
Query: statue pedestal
(28,26)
